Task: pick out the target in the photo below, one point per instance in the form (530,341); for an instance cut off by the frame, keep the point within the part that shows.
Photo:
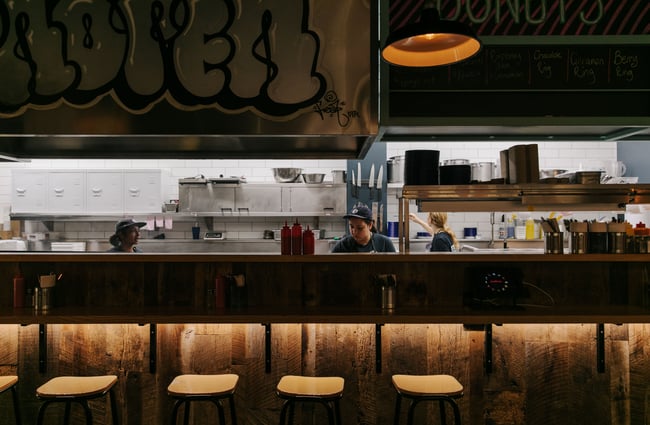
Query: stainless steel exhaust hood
(292,79)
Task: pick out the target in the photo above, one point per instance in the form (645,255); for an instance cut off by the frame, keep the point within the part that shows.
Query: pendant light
(430,42)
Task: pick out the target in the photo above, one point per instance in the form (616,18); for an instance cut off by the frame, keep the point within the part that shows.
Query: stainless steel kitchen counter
(322,246)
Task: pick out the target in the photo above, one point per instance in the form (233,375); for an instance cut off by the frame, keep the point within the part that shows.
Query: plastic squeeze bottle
(296,238)
(308,241)
(285,239)
(530,228)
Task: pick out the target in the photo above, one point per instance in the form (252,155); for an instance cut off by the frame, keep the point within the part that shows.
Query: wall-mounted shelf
(517,197)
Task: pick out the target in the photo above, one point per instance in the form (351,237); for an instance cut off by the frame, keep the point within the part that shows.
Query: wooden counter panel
(430,289)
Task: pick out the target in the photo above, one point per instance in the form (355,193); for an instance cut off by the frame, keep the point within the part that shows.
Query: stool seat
(310,386)
(76,389)
(427,385)
(203,385)
(417,388)
(7,382)
(188,388)
(10,382)
(326,390)
(76,386)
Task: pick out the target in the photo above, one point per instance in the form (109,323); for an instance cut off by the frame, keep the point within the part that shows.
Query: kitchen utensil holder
(554,243)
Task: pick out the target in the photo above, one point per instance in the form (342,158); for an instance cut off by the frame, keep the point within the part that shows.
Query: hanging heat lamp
(430,42)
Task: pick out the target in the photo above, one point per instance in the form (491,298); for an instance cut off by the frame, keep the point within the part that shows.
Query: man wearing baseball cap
(363,237)
(125,238)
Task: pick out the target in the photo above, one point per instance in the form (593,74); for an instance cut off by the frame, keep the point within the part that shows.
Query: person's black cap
(128,222)
(361,212)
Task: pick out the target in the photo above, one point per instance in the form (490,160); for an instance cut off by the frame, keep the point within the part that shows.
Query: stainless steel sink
(469,248)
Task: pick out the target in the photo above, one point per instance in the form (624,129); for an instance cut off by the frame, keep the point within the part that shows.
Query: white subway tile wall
(569,155)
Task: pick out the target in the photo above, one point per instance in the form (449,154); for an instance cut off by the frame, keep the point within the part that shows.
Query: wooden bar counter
(334,288)
(578,324)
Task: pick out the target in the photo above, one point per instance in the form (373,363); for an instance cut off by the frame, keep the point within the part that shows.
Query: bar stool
(188,388)
(76,389)
(9,383)
(417,388)
(326,390)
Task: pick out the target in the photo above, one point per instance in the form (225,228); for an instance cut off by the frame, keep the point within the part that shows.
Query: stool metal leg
(283,412)
(111,394)
(177,406)
(89,415)
(398,404)
(330,411)
(454,405)
(443,416)
(66,412)
(411,412)
(233,415)
(14,396)
(219,406)
(186,413)
(337,410)
(41,412)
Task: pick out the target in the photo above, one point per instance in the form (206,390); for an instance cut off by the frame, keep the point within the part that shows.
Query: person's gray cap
(361,212)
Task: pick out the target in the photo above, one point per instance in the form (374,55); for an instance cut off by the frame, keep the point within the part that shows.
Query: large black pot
(455,174)
(421,167)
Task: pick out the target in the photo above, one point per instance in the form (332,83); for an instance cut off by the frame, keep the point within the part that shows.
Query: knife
(380,181)
(375,210)
(358,174)
(371,179)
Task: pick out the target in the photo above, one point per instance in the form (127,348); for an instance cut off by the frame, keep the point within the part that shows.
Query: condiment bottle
(308,242)
(641,233)
(296,238)
(19,291)
(530,228)
(285,239)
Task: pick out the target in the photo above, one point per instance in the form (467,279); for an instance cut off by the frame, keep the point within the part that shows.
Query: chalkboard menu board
(529,80)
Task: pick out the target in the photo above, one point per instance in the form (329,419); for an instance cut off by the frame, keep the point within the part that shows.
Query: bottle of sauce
(530,228)
(296,238)
(308,242)
(285,239)
(19,290)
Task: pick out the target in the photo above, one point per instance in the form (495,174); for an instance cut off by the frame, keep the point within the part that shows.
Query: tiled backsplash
(569,155)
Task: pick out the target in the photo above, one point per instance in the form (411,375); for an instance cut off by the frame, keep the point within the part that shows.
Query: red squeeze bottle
(19,291)
(285,239)
(308,242)
(296,238)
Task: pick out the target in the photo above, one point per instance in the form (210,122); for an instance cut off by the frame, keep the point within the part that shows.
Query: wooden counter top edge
(40,257)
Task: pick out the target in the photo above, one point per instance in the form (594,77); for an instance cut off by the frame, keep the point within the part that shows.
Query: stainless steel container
(395,169)
(482,171)
(339,176)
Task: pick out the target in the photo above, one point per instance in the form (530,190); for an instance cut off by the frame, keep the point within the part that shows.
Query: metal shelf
(526,197)
(517,197)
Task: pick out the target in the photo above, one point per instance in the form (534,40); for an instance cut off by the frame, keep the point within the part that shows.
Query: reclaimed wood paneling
(541,373)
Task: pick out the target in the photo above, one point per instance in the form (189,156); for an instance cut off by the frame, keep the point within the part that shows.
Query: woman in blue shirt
(444,239)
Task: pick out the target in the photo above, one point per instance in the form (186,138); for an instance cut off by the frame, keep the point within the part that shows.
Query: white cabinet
(104,192)
(86,191)
(66,192)
(143,191)
(29,191)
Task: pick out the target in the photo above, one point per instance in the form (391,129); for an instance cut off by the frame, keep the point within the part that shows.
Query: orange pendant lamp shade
(430,42)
